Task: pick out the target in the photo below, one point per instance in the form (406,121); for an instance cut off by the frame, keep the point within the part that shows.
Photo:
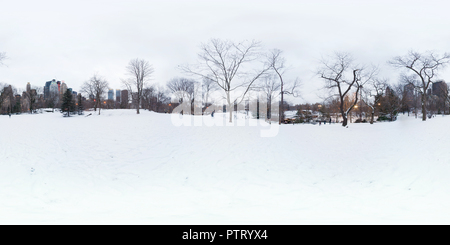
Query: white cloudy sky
(72,40)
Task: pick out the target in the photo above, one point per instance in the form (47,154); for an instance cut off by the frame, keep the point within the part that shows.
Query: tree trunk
(281,106)
(230,107)
(371,119)
(424,109)
(344,120)
(341,108)
(138,102)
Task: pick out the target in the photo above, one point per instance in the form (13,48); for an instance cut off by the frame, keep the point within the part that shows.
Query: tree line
(239,69)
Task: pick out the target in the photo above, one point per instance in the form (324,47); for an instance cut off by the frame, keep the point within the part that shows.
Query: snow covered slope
(123,168)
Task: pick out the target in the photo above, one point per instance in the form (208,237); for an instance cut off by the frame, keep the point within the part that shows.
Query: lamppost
(320,107)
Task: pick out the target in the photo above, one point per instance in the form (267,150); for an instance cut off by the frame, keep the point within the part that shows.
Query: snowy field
(123,168)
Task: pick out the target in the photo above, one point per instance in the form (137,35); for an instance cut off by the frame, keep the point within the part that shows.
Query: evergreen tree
(17,107)
(68,104)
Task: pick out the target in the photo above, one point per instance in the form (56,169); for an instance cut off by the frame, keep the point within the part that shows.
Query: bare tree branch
(140,72)
(424,67)
(340,73)
(223,62)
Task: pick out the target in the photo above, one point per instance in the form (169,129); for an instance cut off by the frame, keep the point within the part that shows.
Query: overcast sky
(72,40)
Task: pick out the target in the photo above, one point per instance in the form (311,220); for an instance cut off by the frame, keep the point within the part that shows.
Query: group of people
(324,122)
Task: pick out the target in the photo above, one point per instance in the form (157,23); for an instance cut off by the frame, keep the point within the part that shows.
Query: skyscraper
(111,94)
(47,89)
(51,86)
(59,86)
(124,99)
(117,95)
(53,89)
(63,89)
(439,89)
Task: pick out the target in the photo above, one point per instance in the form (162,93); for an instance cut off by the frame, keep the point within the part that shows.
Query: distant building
(409,96)
(134,103)
(439,89)
(59,86)
(63,89)
(8,99)
(51,87)
(409,90)
(440,93)
(388,91)
(25,101)
(28,87)
(117,95)
(47,89)
(17,107)
(124,99)
(111,94)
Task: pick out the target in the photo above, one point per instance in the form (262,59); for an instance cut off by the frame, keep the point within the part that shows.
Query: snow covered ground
(123,168)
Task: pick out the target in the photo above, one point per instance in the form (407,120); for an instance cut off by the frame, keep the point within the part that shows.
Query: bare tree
(277,64)
(95,87)
(160,99)
(147,95)
(270,86)
(184,90)
(372,94)
(140,72)
(345,78)
(229,65)
(208,86)
(425,68)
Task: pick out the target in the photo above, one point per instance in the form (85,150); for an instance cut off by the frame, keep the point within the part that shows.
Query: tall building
(28,87)
(59,86)
(111,94)
(63,89)
(53,89)
(117,95)
(439,89)
(6,106)
(440,93)
(409,94)
(124,98)
(47,89)
(51,86)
